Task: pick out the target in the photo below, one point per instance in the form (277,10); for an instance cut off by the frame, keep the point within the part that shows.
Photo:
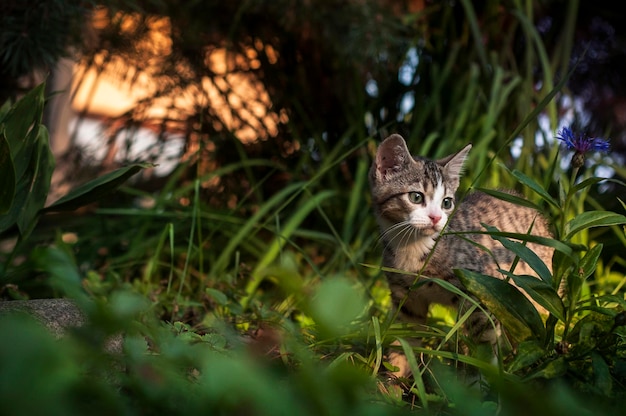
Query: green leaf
(588,263)
(524,253)
(601,374)
(508,197)
(528,353)
(379,345)
(591,219)
(32,188)
(19,123)
(7,176)
(126,305)
(506,302)
(21,194)
(61,267)
(568,249)
(550,370)
(541,292)
(561,264)
(94,190)
(537,188)
(355,202)
(335,305)
(4,109)
(587,182)
(592,181)
(23,157)
(574,285)
(22,175)
(217,296)
(42,166)
(417,374)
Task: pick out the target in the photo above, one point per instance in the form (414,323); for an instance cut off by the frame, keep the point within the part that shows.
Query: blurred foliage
(243,281)
(27,168)
(34,35)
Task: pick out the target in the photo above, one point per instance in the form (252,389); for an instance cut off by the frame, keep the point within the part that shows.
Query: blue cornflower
(581,145)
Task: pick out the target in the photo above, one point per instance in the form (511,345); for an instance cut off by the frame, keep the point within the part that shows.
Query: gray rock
(56,314)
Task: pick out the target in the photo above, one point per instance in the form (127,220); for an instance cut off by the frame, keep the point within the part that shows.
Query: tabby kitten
(414,202)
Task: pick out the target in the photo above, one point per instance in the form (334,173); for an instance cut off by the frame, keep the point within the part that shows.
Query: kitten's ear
(392,155)
(453,164)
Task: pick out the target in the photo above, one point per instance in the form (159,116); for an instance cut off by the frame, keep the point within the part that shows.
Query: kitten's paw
(399,361)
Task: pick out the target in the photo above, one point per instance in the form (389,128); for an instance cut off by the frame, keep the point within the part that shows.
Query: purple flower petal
(580,143)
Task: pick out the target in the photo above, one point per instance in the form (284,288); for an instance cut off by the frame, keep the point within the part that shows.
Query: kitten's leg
(412,307)
(398,359)
(484,330)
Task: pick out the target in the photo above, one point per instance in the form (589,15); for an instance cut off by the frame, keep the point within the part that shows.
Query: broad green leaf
(550,370)
(527,354)
(574,284)
(23,158)
(10,218)
(20,131)
(31,189)
(589,262)
(217,296)
(4,109)
(7,176)
(541,292)
(561,265)
(24,114)
(508,197)
(524,253)
(506,302)
(94,190)
(42,166)
(591,219)
(61,268)
(537,188)
(335,305)
(602,379)
(287,277)
(126,305)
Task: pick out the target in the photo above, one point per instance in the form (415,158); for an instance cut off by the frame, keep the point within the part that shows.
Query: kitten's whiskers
(401,234)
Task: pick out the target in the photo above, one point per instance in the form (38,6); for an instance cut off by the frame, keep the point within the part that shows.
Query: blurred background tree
(34,36)
(323,71)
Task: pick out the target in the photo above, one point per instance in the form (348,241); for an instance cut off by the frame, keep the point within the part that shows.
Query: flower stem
(569,194)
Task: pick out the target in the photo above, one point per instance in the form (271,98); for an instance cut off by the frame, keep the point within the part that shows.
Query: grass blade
(280,240)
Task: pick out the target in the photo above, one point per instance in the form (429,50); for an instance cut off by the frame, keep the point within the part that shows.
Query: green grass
(279,306)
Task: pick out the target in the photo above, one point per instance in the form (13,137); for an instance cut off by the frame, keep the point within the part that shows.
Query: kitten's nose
(434,218)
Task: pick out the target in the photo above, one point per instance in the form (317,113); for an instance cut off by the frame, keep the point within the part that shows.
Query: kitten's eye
(416,197)
(447,203)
